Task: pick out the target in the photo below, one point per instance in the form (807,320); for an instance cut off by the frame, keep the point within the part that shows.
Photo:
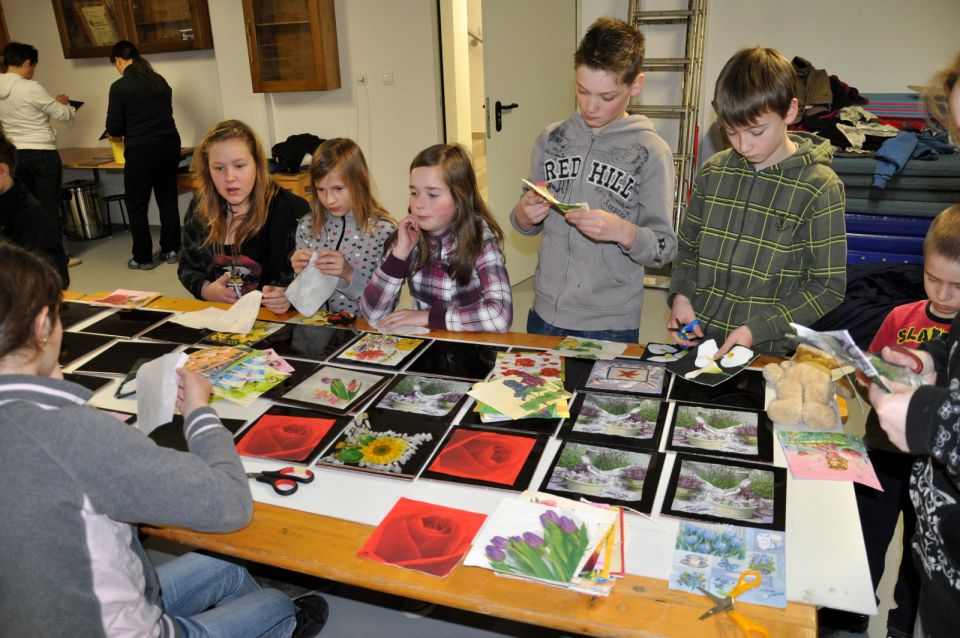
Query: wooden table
(327,547)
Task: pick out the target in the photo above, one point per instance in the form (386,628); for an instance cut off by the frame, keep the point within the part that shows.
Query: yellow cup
(117,146)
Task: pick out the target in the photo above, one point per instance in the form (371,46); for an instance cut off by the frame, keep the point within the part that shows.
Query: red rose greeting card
(289,438)
(422,536)
(484,457)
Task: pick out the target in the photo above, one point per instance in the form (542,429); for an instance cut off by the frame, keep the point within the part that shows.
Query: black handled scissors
(284,481)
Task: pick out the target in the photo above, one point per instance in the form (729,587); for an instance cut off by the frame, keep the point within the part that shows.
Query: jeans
(536,325)
(210,597)
(41,172)
(152,167)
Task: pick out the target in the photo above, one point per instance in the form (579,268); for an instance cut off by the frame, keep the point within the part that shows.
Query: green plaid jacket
(766,248)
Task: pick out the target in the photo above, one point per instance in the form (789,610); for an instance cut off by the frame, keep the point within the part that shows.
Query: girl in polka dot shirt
(347,227)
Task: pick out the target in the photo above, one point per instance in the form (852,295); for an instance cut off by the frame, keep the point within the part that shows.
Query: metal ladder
(689,67)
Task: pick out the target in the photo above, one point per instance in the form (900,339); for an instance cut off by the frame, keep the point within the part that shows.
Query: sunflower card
(423,537)
(381,350)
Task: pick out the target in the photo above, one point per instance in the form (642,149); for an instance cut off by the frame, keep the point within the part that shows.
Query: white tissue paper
(157,391)
(238,319)
(311,289)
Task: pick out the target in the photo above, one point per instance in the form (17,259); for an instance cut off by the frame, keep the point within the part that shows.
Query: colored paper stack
(523,385)
(238,373)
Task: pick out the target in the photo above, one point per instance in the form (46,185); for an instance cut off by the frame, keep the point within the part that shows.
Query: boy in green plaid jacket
(763,241)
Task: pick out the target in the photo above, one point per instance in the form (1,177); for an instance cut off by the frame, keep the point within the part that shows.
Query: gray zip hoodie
(624,168)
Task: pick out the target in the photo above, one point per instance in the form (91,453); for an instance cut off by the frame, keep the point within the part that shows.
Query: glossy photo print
(260,331)
(285,437)
(627,375)
(723,491)
(604,473)
(376,349)
(617,418)
(697,429)
(429,396)
(330,387)
(487,458)
(423,537)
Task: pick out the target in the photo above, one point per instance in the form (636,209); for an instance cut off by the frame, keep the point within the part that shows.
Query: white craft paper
(157,391)
(311,289)
(238,319)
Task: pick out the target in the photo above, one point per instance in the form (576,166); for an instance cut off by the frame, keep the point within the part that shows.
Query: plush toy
(805,387)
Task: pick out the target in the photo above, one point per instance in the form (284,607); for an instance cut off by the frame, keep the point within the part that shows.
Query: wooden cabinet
(90,28)
(4,36)
(292,45)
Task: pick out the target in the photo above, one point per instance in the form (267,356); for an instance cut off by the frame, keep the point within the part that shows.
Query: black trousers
(879,512)
(41,172)
(152,167)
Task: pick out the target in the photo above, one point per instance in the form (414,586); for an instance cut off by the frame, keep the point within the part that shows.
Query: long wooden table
(327,547)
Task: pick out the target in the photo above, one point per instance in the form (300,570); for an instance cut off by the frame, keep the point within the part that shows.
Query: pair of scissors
(916,363)
(747,581)
(284,481)
(687,332)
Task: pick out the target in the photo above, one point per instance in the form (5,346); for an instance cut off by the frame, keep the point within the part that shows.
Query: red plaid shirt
(484,304)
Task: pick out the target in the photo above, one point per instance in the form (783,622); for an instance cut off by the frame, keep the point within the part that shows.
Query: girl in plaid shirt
(448,247)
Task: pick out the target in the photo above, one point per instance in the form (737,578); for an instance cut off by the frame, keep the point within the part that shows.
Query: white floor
(357,612)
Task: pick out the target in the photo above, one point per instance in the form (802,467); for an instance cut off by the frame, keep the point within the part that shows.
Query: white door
(528,61)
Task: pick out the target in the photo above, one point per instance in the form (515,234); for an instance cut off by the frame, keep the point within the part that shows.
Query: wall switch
(361,78)
(388,78)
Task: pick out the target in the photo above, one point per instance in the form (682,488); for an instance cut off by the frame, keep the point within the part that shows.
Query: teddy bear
(805,387)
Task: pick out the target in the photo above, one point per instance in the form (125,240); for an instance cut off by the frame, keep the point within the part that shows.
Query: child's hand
(219,291)
(408,234)
(742,336)
(403,318)
(928,371)
(531,210)
(891,409)
(193,391)
(300,259)
(599,225)
(274,300)
(332,262)
(681,314)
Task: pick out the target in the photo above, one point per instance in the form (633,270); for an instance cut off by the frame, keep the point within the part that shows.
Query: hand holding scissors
(748,580)
(284,481)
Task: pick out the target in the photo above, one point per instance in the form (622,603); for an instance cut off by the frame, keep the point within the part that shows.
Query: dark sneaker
(171,257)
(312,612)
(133,264)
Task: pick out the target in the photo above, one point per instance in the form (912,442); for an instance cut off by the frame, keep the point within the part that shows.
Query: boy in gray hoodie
(589,278)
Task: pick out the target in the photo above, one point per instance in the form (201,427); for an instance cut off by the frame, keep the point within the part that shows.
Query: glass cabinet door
(168,25)
(89,28)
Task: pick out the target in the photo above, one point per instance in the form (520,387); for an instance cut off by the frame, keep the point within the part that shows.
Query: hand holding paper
(158,391)
(193,391)
(311,289)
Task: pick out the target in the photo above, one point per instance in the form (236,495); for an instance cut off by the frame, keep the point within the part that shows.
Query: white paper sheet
(238,319)
(157,391)
(404,330)
(311,289)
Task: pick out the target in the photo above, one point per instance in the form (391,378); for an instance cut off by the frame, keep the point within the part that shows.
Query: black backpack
(289,154)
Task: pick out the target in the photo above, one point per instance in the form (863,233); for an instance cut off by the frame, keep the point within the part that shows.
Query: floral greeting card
(125,298)
(589,348)
(714,556)
(727,492)
(374,348)
(536,541)
(288,438)
(605,473)
(627,375)
(616,418)
(334,388)
(522,396)
(422,536)
(430,396)
(260,331)
(392,446)
(828,455)
(543,363)
(721,432)
(483,457)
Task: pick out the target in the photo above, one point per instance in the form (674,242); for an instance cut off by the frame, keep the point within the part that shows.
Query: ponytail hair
(143,70)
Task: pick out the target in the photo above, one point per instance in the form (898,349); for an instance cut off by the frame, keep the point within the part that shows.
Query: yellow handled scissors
(748,580)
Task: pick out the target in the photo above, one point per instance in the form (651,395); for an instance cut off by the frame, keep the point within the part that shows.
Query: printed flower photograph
(424,395)
(618,415)
(738,494)
(381,349)
(260,331)
(715,430)
(483,456)
(599,471)
(386,451)
(663,352)
(333,387)
(286,438)
(422,536)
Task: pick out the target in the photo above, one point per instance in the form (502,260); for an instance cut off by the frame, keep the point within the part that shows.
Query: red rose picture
(287,438)
(422,536)
(487,456)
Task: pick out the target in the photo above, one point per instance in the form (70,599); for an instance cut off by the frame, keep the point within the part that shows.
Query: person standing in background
(140,111)
(25,112)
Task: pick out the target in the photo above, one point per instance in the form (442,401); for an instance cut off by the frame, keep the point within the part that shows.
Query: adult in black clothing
(141,112)
(20,210)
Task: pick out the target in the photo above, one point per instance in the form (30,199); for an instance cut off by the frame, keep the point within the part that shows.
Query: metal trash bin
(83,210)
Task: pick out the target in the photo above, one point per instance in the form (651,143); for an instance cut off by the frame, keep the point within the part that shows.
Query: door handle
(499,109)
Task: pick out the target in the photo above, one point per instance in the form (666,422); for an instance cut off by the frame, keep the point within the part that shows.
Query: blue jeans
(536,325)
(209,597)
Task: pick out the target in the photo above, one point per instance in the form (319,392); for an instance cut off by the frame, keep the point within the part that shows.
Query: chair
(119,199)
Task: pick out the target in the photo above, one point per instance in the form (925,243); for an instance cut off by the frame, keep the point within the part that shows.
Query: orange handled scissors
(748,580)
